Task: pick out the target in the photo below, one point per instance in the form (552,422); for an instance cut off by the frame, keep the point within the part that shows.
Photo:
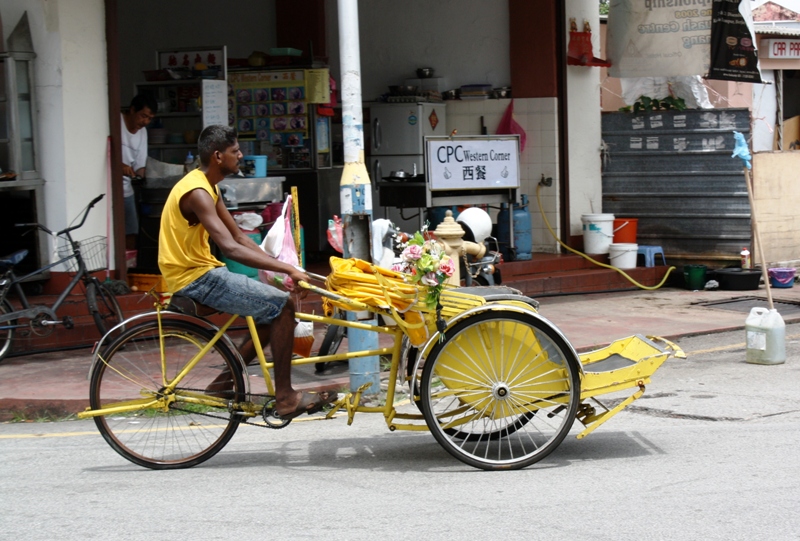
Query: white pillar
(355,188)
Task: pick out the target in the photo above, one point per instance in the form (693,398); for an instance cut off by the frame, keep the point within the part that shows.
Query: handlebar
(91,204)
(85,214)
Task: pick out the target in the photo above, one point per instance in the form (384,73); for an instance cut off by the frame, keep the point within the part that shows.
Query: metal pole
(355,190)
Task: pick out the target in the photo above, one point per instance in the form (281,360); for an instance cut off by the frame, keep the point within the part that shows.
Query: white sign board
(215,102)
(779,48)
(472,162)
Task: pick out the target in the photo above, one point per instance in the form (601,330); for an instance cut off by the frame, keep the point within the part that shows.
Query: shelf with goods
(185,107)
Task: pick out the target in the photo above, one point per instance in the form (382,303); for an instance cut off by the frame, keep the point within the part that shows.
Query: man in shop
(141,111)
(194,211)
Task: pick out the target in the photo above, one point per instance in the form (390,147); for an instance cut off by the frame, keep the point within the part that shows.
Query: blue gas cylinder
(523,241)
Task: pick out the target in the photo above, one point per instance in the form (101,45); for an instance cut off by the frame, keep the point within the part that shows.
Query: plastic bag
(509,126)
(248,221)
(279,243)
(303,338)
(335,234)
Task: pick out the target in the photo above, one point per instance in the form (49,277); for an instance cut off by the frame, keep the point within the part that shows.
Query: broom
(740,149)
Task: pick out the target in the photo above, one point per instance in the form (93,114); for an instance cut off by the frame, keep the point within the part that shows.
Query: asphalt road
(709,452)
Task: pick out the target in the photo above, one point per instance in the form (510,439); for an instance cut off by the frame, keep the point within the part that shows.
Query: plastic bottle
(745,258)
(189,163)
(766,342)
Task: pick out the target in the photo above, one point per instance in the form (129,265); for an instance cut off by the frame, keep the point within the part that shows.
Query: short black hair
(215,138)
(140,101)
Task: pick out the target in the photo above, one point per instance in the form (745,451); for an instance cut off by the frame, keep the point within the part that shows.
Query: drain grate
(745,304)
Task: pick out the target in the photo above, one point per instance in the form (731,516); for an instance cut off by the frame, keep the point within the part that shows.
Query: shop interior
(273,76)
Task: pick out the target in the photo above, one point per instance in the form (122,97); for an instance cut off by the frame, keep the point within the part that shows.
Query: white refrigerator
(397,132)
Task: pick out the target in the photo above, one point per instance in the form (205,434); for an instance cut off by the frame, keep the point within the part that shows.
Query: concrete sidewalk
(56,384)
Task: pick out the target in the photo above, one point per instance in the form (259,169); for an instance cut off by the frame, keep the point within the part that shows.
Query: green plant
(645,104)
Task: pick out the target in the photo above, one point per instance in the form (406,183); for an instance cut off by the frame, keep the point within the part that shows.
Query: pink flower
(430,279)
(398,267)
(412,253)
(447,266)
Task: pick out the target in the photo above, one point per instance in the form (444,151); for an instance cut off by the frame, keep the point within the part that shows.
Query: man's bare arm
(226,235)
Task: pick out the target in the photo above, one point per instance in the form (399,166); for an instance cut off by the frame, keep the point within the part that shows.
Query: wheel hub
(501,391)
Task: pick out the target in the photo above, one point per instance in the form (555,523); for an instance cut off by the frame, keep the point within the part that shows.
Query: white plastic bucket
(598,232)
(623,255)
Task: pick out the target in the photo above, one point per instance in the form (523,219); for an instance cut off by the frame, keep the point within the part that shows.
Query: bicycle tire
(7,335)
(130,369)
(103,306)
(501,391)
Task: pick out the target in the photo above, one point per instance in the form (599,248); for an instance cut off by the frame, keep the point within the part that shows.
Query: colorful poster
(270,107)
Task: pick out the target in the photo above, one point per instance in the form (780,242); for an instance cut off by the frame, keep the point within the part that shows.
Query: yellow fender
(513,306)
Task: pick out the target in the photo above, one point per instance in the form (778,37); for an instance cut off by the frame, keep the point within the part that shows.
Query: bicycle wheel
(501,391)
(103,306)
(6,335)
(185,434)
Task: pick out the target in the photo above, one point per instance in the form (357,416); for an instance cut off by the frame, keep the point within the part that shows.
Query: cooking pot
(399,176)
(403,90)
(500,93)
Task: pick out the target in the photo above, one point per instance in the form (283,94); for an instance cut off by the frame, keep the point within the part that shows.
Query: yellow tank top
(184,254)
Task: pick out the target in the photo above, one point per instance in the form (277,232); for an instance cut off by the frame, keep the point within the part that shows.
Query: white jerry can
(766,340)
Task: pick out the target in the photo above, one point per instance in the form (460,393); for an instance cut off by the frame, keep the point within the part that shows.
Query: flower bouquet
(428,264)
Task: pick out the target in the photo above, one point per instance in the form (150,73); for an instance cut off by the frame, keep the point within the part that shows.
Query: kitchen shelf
(180,114)
(167,146)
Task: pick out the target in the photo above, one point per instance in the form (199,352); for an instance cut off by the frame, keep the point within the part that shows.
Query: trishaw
(497,384)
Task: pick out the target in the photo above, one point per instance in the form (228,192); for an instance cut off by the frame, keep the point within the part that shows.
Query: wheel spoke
(184,434)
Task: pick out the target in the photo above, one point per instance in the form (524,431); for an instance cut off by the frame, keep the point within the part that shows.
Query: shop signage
(780,48)
(472,162)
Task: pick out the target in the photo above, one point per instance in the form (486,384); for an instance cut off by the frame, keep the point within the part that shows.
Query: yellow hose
(574,251)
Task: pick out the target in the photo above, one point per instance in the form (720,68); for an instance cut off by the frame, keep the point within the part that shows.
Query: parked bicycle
(81,257)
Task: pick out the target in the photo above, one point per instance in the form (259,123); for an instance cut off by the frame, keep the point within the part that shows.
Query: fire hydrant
(449,233)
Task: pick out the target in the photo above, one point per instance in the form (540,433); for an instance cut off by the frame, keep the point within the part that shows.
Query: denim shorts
(131,218)
(234,293)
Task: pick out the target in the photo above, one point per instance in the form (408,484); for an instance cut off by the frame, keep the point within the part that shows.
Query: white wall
(584,129)
(539,118)
(71,103)
(465,41)
(146,26)
(764,113)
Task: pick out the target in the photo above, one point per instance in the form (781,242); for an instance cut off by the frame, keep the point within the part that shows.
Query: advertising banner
(659,38)
(733,47)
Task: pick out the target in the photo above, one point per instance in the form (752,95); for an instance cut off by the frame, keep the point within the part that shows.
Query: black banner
(733,50)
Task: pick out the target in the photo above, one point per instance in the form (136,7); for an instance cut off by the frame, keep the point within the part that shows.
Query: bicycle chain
(242,420)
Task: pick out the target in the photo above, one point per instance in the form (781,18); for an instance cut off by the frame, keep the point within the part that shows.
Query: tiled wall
(538,117)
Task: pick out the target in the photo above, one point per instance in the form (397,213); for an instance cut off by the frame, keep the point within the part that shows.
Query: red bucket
(625,230)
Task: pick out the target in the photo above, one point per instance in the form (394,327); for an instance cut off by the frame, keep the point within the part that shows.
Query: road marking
(730,346)
(47,435)
(130,430)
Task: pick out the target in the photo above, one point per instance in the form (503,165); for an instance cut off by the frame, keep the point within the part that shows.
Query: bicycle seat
(185,305)
(13,259)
